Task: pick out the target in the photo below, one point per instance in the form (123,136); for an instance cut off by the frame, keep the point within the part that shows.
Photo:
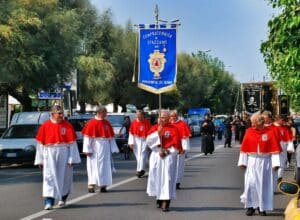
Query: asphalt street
(210,190)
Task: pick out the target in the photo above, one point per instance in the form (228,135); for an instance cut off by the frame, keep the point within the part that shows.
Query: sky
(231,29)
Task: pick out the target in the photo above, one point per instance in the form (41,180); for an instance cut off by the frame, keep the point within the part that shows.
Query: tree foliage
(42,42)
(202,81)
(38,42)
(282,49)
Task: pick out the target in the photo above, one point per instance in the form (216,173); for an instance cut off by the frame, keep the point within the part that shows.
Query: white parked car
(18,143)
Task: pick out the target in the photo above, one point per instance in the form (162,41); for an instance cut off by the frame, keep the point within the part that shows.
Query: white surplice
(162,171)
(57,172)
(140,151)
(258,186)
(286,147)
(99,164)
(181,159)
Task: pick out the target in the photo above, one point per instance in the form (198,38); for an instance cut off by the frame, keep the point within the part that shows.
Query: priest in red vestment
(99,144)
(164,141)
(137,141)
(259,153)
(185,134)
(56,152)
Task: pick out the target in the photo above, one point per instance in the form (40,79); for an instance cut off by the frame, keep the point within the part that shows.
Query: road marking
(78,199)
(89,195)
(201,154)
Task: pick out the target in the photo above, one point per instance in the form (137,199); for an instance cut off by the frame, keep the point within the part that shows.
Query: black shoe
(263,213)
(64,198)
(103,189)
(91,190)
(167,206)
(178,186)
(158,204)
(141,173)
(250,211)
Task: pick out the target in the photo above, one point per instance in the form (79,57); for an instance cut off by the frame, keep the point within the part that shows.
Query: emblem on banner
(157,62)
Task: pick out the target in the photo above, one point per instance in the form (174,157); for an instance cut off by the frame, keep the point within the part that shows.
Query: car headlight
(29,148)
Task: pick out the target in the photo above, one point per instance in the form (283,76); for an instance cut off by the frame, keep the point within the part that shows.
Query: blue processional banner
(157,63)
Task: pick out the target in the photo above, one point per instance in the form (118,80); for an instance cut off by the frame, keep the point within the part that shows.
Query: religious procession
(107,113)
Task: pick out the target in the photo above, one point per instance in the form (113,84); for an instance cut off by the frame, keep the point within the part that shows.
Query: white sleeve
(113,145)
(290,146)
(87,144)
(74,156)
(275,160)
(243,159)
(185,144)
(173,150)
(153,140)
(39,155)
(131,139)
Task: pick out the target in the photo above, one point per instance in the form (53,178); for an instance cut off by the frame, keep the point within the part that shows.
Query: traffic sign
(49,95)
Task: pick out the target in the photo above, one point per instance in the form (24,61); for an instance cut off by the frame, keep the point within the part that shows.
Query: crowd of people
(264,156)
(266,148)
(57,152)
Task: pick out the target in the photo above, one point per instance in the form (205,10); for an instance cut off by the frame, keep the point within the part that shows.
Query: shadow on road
(197,209)
(72,206)
(211,188)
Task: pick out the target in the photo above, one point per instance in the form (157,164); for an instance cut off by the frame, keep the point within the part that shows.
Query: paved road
(211,189)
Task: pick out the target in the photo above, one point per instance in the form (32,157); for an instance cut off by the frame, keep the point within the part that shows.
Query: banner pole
(156,11)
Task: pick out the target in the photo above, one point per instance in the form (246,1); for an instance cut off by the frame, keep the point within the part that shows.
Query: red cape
(284,133)
(260,141)
(56,133)
(184,130)
(140,128)
(169,136)
(275,131)
(98,129)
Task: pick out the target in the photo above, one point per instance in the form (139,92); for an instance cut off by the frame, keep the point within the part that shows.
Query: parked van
(197,114)
(18,144)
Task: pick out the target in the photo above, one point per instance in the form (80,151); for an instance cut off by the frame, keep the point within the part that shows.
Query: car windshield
(196,117)
(116,120)
(21,131)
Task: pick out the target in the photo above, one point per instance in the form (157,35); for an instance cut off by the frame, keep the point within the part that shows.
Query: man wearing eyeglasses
(56,153)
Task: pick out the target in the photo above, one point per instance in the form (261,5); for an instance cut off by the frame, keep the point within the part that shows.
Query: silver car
(18,143)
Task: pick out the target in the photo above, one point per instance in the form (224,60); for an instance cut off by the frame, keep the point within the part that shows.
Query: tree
(94,70)
(202,81)
(282,49)
(39,40)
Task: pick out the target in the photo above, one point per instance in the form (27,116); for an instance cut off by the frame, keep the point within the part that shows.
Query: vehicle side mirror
(289,188)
